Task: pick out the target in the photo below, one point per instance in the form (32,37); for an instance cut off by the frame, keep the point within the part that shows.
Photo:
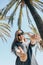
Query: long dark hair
(15,39)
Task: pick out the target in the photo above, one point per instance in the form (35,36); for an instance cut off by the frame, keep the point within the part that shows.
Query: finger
(21,50)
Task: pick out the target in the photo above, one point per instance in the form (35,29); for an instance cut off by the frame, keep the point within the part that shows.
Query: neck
(22,41)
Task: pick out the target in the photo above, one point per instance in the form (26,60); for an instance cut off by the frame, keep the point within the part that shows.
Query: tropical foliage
(32,6)
(29,3)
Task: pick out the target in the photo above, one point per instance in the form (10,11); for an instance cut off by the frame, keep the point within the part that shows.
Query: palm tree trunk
(36,17)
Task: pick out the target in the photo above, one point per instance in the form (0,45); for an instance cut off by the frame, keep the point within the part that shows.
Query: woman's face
(20,36)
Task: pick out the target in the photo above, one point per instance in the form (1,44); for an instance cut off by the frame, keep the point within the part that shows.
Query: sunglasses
(20,34)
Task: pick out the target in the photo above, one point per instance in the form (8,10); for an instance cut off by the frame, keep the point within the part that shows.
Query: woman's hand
(34,38)
(23,56)
(19,51)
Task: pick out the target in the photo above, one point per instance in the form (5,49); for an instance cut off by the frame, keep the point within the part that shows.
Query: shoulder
(13,45)
(30,44)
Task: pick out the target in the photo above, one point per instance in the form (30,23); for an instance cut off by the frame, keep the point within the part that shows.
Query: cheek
(22,36)
(19,37)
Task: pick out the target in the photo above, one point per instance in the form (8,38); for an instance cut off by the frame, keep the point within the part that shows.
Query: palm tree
(30,5)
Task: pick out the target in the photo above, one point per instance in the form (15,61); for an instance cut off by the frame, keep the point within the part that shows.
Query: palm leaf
(29,20)
(38,6)
(6,26)
(33,29)
(7,8)
(40,3)
(3,37)
(4,31)
(28,16)
(20,18)
(12,15)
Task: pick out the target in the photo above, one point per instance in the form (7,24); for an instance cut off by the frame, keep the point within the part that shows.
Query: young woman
(23,49)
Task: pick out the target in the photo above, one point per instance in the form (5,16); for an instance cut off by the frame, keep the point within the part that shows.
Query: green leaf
(38,5)
(12,15)
(6,26)
(20,18)
(3,37)
(7,8)
(4,31)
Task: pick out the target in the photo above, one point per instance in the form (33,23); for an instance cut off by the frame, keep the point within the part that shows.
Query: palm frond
(29,20)
(38,46)
(12,15)
(4,17)
(40,3)
(37,1)
(33,29)
(6,26)
(3,37)
(7,8)
(1,11)
(4,31)
(38,6)
(20,18)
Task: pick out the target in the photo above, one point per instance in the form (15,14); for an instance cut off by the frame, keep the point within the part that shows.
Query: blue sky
(6,56)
